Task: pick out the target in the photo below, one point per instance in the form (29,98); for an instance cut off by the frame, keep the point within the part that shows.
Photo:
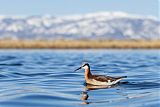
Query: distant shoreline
(79,44)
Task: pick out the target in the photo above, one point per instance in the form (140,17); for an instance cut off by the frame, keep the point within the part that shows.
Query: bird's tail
(124,77)
(121,77)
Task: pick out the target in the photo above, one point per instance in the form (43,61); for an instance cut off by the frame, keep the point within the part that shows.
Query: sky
(70,7)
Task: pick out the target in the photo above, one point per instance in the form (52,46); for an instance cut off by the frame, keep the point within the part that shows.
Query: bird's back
(104,80)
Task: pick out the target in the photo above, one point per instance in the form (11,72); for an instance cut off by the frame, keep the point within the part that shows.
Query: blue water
(46,78)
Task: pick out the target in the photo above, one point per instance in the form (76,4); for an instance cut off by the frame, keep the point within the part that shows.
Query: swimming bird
(98,79)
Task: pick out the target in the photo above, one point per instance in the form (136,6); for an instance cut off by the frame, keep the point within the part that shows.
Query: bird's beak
(78,68)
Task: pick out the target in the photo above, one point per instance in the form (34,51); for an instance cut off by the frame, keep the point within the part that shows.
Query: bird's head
(84,66)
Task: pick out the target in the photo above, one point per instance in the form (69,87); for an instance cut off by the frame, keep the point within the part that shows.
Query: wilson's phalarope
(98,79)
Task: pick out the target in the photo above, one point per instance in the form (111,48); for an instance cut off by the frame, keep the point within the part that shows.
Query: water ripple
(47,78)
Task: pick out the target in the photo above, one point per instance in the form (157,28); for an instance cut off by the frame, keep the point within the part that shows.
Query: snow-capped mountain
(102,25)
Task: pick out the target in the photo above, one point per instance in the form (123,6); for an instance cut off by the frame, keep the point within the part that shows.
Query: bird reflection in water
(96,87)
(84,97)
(89,87)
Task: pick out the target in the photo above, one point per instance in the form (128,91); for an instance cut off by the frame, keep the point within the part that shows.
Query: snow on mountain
(101,25)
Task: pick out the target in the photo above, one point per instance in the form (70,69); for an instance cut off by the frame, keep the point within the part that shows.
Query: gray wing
(106,78)
(103,78)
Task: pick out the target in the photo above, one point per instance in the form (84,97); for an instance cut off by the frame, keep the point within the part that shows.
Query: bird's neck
(87,74)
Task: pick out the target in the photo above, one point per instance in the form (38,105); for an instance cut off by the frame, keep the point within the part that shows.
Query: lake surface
(46,78)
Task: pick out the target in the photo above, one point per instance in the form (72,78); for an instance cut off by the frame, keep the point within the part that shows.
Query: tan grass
(79,44)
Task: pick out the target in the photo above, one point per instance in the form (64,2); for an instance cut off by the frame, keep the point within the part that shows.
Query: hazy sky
(67,7)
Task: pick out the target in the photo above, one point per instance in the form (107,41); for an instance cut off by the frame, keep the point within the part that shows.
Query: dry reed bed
(79,44)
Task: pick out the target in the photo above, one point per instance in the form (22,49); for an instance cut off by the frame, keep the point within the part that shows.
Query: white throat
(85,67)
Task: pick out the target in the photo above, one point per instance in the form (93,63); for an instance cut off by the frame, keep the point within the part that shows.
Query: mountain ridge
(100,25)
